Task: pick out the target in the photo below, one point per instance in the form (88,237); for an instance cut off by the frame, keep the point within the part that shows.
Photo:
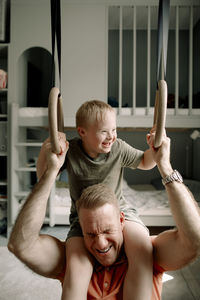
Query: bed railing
(132,75)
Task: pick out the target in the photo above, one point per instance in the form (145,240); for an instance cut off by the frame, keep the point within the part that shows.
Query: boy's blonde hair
(91,111)
(96,196)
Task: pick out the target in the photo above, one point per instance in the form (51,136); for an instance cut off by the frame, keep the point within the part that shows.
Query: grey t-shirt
(84,171)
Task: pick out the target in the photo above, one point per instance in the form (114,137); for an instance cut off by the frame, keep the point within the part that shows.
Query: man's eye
(107,231)
(91,235)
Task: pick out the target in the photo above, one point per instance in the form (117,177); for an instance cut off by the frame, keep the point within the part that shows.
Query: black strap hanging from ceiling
(161,88)
(56,37)
(162,37)
(55,110)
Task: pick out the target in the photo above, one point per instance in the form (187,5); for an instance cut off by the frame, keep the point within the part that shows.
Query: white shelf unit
(21,168)
(4,48)
(3,185)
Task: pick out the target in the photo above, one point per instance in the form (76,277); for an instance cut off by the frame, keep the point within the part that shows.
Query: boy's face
(100,135)
(103,232)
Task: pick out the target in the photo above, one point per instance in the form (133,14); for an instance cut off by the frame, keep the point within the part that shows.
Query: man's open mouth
(104,250)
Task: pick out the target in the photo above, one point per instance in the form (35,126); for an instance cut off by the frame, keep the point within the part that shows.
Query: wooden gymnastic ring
(56,121)
(160,112)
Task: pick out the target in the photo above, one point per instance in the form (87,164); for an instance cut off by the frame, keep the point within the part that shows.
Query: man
(102,225)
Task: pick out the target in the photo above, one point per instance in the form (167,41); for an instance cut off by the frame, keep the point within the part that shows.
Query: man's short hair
(96,196)
(91,111)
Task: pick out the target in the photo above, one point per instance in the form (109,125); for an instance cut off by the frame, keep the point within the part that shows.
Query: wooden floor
(183,284)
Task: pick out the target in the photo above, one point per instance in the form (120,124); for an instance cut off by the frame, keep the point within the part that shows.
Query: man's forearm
(184,209)
(41,163)
(31,217)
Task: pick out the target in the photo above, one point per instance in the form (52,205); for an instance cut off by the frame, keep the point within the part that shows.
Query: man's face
(103,232)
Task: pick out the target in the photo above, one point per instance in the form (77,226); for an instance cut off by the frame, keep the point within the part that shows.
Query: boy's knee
(78,258)
(141,248)
(145,245)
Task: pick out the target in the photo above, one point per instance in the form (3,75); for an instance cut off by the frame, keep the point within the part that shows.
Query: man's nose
(101,242)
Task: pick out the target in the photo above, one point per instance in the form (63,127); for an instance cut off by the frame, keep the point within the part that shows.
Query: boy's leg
(139,251)
(79,270)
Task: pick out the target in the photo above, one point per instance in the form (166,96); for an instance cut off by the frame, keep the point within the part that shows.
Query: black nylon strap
(56,37)
(162,37)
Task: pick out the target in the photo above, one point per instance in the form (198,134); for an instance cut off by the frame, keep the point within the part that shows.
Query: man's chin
(106,262)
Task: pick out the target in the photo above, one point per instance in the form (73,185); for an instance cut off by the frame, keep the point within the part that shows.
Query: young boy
(99,157)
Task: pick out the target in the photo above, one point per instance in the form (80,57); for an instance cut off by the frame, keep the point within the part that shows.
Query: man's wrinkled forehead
(105,216)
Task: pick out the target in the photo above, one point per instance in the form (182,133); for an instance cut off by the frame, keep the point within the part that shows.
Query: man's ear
(81,131)
(122,219)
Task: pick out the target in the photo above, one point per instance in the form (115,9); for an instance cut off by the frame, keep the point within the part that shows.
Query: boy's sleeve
(131,157)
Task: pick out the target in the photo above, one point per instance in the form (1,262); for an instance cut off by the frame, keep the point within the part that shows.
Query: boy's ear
(81,131)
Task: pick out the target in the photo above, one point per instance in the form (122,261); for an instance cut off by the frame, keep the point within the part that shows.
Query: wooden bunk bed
(151,204)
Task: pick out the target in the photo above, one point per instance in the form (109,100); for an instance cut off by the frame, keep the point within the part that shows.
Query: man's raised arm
(175,248)
(41,161)
(42,253)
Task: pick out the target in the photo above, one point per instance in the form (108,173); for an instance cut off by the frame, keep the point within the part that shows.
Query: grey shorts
(129,212)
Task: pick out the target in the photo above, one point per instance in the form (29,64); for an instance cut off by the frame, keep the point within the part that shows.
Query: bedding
(141,199)
(151,204)
(145,199)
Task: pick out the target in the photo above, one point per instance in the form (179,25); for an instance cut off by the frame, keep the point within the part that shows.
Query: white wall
(84,49)
(30,27)
(84,55)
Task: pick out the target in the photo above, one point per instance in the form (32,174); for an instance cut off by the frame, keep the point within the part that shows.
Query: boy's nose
(109,136)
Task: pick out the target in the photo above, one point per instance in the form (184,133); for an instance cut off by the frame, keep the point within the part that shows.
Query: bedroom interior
(108,53)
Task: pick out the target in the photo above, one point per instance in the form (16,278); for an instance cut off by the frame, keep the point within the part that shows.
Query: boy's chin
(106,150)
